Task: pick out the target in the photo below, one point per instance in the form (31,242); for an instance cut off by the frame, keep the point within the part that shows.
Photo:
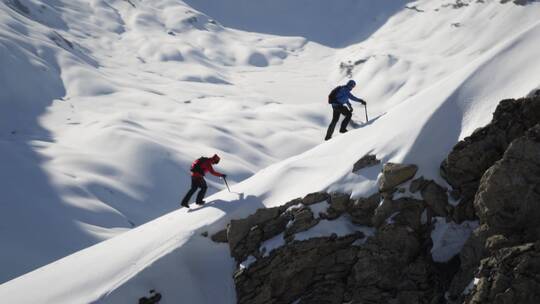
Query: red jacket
(206,166)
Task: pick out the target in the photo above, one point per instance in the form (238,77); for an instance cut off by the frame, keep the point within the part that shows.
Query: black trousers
(337,111)
(196,183)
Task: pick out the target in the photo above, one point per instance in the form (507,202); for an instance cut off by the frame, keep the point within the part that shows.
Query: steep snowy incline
(109,101)
(170,255)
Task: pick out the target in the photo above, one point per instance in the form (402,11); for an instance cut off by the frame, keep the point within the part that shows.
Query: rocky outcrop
(316,268)
(509,276)
(472,156)
(508,199)
(245,236)
(390,268)
(394,175)
(507,203)
(495,175)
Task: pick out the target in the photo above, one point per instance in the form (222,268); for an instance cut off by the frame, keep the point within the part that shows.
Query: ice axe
(365,107)
(226,184)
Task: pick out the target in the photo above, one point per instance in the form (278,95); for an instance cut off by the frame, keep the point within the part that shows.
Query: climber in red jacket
(198,169)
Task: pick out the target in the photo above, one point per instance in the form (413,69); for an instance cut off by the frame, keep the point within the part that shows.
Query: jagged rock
(410,213)
(383,212)
(314,198)
(508,198)
(330,214)
(498,241)
(220,236)
(245,235)
(340,202)
(463,211)
(363,209)
(390,269)
(275,226)
(302,220)
(366,161)
(472,156)
(405,210)
(394,175)
(299,270)
(472,253)
(509,276)
(400,239)
(294,202)
(436,198)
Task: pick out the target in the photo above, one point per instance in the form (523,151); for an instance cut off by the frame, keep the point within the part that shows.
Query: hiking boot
(185,204)
(200,203)
(343,131)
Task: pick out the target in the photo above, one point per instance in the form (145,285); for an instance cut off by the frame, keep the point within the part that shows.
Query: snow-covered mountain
(106,103)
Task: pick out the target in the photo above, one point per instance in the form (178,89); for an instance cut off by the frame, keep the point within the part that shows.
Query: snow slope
(430,78)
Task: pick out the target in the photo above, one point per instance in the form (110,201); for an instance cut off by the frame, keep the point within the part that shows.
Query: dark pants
(196,183)
(337,111)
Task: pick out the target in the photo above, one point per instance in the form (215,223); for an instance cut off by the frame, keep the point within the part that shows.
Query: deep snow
(98,138)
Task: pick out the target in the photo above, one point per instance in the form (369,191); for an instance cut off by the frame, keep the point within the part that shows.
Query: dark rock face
(436,198)
(390,268)
(302,220)
(368,160)
(363,209)
(507,201)
(509,276)
(472,156)
(244,236)
(418,184)
(301,268)
(508,198)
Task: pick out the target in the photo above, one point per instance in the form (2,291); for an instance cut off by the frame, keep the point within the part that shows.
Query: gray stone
(220,236)
(509,276)
(436,198)
(314,198)
(472,156)
(302,220)
(366,161)
(395,174)
(238,231)
(508,198)
(312,271)
(340,201)
(417,184)
(363,209)
(383,212)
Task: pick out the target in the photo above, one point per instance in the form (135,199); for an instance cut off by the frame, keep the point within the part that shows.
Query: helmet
(215,159)
(351,83)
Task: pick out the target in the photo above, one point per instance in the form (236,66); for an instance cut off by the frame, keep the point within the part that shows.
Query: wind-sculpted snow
(97,138)
(335,24)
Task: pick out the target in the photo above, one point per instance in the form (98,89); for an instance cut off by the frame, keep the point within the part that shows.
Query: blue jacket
(343,96)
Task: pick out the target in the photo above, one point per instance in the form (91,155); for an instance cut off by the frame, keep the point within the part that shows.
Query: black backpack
(333,95)
(196,165)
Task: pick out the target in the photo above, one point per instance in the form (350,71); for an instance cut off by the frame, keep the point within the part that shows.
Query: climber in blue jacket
(339,99)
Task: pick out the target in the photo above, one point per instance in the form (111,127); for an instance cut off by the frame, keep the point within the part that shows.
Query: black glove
(351,109)
(364,102)
(224,175)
